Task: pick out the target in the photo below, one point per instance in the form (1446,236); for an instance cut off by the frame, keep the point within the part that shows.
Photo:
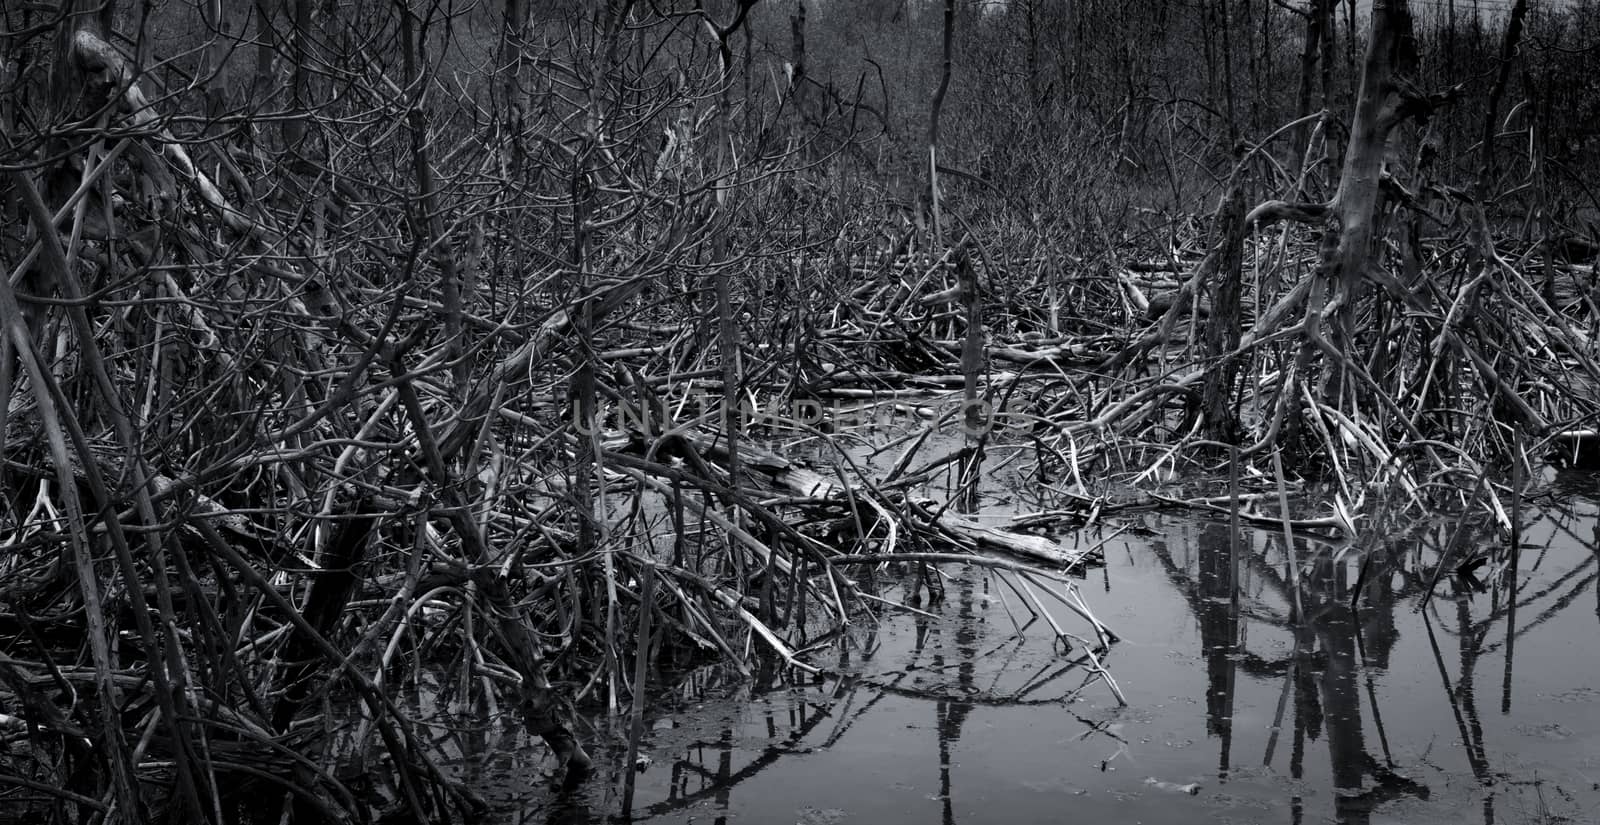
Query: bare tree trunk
(1308,68)
(933,119)
(1450,42)
(1333,127)
(431,222)
(1349,39)
(1391,55)
(728,332)
(1035,107)
(513,36)
(12,221)
(797,68)
(294,127)
(1227,73)
(1491,125)
(1208,43)
(1253,62)
(267,44)
(212,56)
(972,346)
(1223,326)
(290,43)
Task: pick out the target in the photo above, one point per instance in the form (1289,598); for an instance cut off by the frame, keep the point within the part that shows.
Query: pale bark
(1390,56)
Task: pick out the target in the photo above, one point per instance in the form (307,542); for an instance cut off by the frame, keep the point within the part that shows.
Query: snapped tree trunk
(1222,330)
(1390,56)
(1347,247)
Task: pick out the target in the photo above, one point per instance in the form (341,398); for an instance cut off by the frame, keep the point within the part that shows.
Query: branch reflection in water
(970,712)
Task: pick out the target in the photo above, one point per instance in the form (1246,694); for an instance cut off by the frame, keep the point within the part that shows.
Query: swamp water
(1481,705)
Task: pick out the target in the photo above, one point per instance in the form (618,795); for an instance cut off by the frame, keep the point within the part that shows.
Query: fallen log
(803,482)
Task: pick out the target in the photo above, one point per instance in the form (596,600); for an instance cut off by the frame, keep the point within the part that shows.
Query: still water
(1479,704)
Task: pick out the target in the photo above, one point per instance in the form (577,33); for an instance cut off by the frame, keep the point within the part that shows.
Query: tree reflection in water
(1321,678)
(1330,644)
(1346,636)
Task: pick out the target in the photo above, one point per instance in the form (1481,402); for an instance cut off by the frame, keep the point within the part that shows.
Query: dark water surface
(1482,706)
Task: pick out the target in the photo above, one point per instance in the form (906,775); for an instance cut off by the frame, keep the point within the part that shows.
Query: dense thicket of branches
(386,342)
